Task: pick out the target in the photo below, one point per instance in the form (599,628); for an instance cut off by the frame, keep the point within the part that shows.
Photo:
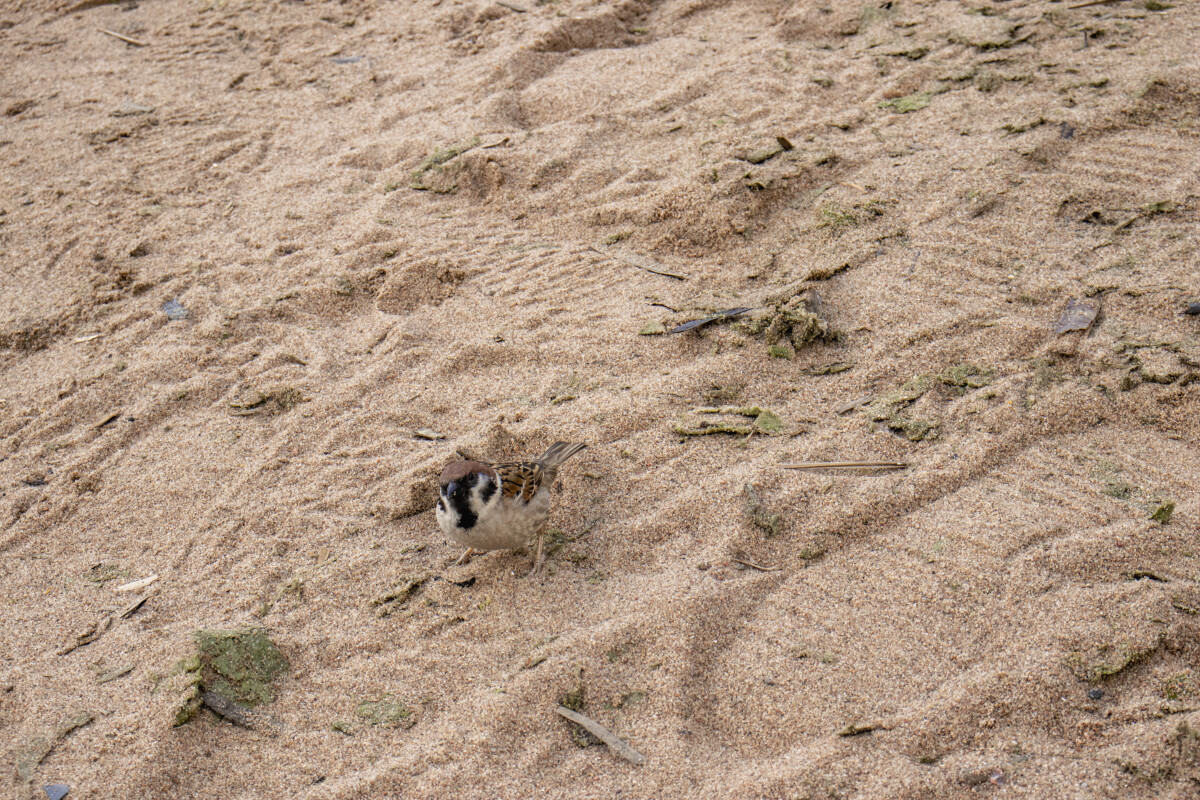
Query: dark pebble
(56,791)
(1096,694)
(1193,309)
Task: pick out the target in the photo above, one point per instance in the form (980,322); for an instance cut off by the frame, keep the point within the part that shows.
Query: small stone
(765,153)
(1193,309)
(174,310)
(56,791)
(703,565)
(130,109)
(1095,694)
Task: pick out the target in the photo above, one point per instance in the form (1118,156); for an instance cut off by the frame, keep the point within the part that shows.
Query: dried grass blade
(615,743)
(846,465)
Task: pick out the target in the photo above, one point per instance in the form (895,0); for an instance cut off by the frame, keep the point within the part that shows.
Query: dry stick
(846,465)
(123,37)
(855,403)
(86,4)
(640,263)
(1092,3)
(511,6)
(1112,237)
(615,743)
(752,565)
(132,608)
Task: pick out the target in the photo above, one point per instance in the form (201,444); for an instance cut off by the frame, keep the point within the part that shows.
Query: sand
(381,217)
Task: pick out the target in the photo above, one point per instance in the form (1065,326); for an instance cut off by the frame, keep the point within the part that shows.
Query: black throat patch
(461,503)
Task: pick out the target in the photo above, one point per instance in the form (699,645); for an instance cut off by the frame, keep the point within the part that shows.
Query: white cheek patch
(483,495)
(445,513)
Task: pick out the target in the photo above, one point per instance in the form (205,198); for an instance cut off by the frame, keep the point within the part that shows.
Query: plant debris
(253,401)
(856,728)
(615,743)
(908,103)
(850,405)
(37,749)
(653,329)
(387,710)
(239,665)
(795,318)
(765,153)
(398,597)
(769,522)
(113,674)
(428,433)
(765,422)
(1162,513)
(1107,660)
(741,558)
(137,585)
(90,635)
(1078,316)
(697,323)
(815,465)
(641,262)
(966,376)
(234,712)
(426,176)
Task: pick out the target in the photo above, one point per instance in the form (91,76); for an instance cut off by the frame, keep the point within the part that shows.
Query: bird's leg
(537,559)
(466,557)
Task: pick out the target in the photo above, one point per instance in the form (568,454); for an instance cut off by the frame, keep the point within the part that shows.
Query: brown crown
(461,469)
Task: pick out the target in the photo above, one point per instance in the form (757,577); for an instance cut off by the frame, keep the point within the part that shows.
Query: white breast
(507,526)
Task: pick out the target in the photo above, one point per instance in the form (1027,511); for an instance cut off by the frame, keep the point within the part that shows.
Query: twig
(752,565)
(132,608)
(1092,3)
(123,37)
(615,743)
(1112,236)
(511,6)
(223,707)
(138,585)
(846,465)
(92,634)
(86,4)
(850,405)
(640,263)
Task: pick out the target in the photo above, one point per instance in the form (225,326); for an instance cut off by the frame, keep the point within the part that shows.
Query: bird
(500,506)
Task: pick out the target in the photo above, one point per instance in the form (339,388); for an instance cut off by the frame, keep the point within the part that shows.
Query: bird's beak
(450,488)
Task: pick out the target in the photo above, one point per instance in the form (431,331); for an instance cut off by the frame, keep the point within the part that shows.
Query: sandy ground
(1002,618)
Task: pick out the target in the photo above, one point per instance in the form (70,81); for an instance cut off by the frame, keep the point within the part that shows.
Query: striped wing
(521,479)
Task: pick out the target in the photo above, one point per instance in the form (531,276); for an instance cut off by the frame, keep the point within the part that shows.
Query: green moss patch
(387,710)
(240,665)
(908,103)
(765,422)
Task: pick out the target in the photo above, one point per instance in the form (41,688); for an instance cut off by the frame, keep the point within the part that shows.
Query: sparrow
(499,506)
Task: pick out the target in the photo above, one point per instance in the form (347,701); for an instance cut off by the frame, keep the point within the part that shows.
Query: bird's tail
(560,452)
